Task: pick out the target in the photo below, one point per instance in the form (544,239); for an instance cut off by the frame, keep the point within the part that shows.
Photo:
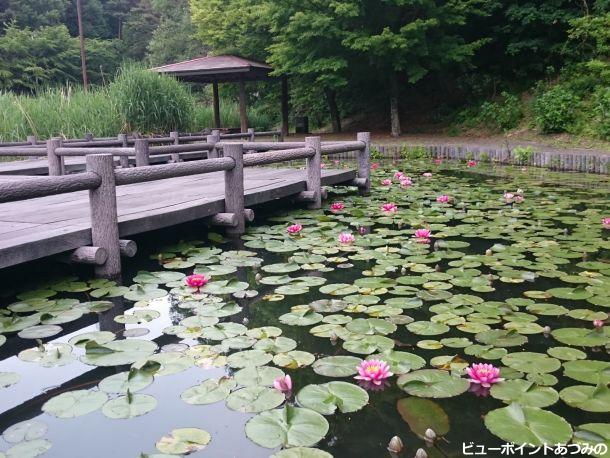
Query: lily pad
(328,397)
(183,441)
(76,403)
(289,427)
(208,392)
(423,414)
(524,393)
(337,366)
(255,399)
(129,406)
(432,383)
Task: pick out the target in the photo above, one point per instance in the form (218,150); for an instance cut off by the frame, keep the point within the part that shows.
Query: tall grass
(137,100)
(68,112)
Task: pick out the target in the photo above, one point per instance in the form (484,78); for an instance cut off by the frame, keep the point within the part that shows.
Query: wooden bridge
(88,215)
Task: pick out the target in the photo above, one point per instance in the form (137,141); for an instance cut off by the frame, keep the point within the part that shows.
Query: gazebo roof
(217,69)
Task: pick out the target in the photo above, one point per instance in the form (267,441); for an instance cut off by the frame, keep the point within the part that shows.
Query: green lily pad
(587,397)
(257,376)
(432,383)
(524,393)
(249,358)
(8,379)
(329,397)
(294,359)
(289,427)
(72,404)
(208,392)
(423,414)
(129,406)
(29,448)
(337,366)
(132,380)
(117,352)
(588,371)
(528,425)
(531,362)
(427,328)
(255,399)
(183,441)
(24,431)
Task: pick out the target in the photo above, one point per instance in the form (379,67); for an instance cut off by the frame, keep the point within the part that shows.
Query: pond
(508,267)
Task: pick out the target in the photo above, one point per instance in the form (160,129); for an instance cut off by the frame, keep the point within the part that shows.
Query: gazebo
(227,69)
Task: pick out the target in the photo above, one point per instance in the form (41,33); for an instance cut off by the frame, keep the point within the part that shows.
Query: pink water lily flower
(336,207)
(386,182)
(598,324)
(374,371)
(438,161)
(484,374)
(389,208)
(283,384)
(337,161)
(422,234)
(398,175)
(374,166)
(519,198)
(508,196)
(322,165)
(294,229)
(606,223)
(405,182)
(471,163)
(196,281)
(346,238)
(427,175)
(443,199)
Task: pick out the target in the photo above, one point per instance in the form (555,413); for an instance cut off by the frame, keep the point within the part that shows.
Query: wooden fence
(101,179)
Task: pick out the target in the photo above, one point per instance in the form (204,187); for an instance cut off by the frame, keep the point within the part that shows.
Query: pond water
(517,282)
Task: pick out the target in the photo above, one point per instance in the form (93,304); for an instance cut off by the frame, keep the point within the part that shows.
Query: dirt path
(539,144)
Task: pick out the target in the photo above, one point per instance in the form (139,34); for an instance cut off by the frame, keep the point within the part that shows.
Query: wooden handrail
(273,157)
(161,172)
(32,187)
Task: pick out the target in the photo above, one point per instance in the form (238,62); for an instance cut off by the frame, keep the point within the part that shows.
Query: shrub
(376,154)
(414,152)
(554,110)
(148,102)
(484,157)
(523,154)
(601,110)
(503,114)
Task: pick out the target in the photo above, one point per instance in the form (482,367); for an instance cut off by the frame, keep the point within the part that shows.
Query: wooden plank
(60,223)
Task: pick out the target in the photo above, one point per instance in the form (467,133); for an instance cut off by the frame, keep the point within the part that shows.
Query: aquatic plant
(374,371)
(294,229)
(484,374)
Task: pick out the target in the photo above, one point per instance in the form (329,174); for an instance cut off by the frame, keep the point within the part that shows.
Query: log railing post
(251,135)
(213,139)
(234,187)
(314,172)
(123,160)
(364,162)
(55,162)
(89,137)
(32,141)
(104,218)
(176,136)
(142,152)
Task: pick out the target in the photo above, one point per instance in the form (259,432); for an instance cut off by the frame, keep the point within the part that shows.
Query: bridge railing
(101,180)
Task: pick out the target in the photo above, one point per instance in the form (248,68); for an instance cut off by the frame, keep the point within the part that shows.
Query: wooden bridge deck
(36,228)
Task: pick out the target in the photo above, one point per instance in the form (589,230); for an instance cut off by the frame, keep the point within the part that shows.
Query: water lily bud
(258,277)
(395,445)
(489,252)
(430,435)
(566,231)
(437,268)
(421,453)
(546,330)
(403,271)
(245,320)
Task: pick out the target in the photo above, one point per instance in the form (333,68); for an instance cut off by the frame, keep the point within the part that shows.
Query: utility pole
(81,38)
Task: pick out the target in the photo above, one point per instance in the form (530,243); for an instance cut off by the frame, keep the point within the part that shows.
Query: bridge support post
(31,139)
(142,152)
(364,163)
(123,160)
(314,173)
(104,218)
(176,136)
(55,162)
(89,137)
(251,135)
(234,187)
(213,139)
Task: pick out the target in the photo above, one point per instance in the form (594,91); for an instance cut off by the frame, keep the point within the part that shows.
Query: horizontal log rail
(273,157)
(162,172)
(32,187)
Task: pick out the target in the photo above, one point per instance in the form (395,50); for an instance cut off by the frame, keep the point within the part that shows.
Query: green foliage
(523,154)
(149,102)
(601,110)
(376,154)
(64,111)
(503,114)
(415,152)
(49,56)
(484,157)
(554,109)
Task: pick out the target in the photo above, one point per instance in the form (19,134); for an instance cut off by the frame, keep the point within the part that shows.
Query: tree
(138,29)
(33,13)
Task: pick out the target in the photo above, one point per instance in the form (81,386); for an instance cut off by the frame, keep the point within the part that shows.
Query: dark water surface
(361,434)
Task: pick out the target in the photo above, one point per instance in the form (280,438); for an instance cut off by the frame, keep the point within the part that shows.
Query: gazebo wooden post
(284,103)
(216,104)
(243,115)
